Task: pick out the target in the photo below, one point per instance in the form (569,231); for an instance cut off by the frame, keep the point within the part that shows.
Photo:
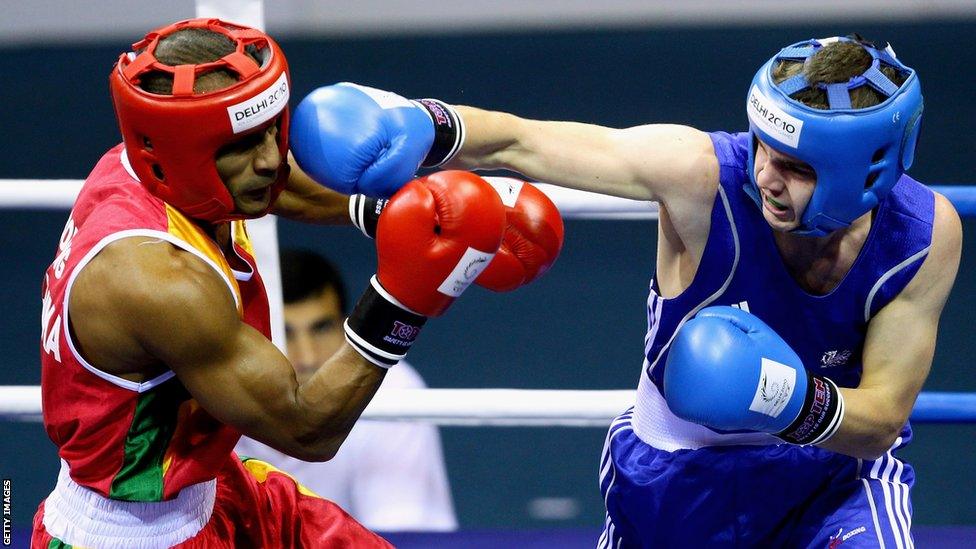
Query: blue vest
(741,266)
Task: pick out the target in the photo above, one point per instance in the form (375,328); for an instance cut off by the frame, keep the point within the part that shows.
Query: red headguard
(172,140)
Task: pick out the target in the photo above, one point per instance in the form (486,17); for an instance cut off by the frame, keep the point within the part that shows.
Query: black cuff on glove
(365,212)
(380,328)
(448,132)
(821,415)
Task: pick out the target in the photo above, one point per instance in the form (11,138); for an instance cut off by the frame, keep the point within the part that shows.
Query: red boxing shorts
(256,505)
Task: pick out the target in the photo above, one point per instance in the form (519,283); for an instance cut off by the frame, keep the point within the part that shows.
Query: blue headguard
(857,154)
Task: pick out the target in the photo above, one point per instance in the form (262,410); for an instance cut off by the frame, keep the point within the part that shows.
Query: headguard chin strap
(858,154)
(172,141)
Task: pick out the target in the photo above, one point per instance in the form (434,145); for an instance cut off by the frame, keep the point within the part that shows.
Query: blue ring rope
(963,197)
(937,407)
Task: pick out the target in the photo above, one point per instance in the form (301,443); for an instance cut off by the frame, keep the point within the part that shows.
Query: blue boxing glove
(356,139)
(728,370)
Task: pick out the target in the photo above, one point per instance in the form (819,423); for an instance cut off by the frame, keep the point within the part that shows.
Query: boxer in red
(155,343)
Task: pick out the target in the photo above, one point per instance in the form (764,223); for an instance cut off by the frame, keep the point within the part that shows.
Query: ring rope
(510,407)
(48,194)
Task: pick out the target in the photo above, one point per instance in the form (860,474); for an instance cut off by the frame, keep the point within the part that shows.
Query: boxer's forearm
(871,424)
(569,154)
(335,396)
(305,200)
(490,139)
(647,162)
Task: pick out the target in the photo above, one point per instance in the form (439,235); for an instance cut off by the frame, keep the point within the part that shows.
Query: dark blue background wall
(580,327)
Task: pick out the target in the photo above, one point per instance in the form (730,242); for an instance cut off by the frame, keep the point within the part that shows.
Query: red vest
(126,440)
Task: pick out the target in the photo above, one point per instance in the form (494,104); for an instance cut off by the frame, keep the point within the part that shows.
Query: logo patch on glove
(776,384)
(467,269)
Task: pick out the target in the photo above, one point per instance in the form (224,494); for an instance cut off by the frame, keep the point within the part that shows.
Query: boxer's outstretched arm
(305,200)
(899,348)
(158,304)
(651,162)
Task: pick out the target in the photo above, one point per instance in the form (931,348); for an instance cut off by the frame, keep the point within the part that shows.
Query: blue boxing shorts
(751,496)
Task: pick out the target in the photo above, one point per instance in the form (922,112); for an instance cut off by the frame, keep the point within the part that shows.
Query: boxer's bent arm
(305,200)
(181,312)
(899,348)
(651,162)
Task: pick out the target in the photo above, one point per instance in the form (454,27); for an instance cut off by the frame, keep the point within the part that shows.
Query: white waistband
(656,425)
(81,517)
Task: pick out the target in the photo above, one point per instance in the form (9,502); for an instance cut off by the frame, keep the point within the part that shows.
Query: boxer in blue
(793,314)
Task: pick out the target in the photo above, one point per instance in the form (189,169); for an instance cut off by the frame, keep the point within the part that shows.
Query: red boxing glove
(436,235)
(533,236)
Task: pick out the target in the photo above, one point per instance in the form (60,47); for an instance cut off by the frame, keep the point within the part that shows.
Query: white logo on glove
(467,269)
(776,384)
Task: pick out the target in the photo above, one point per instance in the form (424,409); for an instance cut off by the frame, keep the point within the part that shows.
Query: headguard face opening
(172,140)
(857,154)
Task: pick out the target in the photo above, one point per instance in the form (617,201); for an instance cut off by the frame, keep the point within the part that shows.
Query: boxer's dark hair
(837,62)
(193,47)
(306,274)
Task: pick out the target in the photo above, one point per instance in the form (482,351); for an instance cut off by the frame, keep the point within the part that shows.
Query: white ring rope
(510,407)
(499,407)
(39,194)
(48,194)
(56,194)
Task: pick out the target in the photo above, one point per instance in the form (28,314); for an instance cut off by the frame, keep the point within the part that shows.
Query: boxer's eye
(800,169)
(325,326)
